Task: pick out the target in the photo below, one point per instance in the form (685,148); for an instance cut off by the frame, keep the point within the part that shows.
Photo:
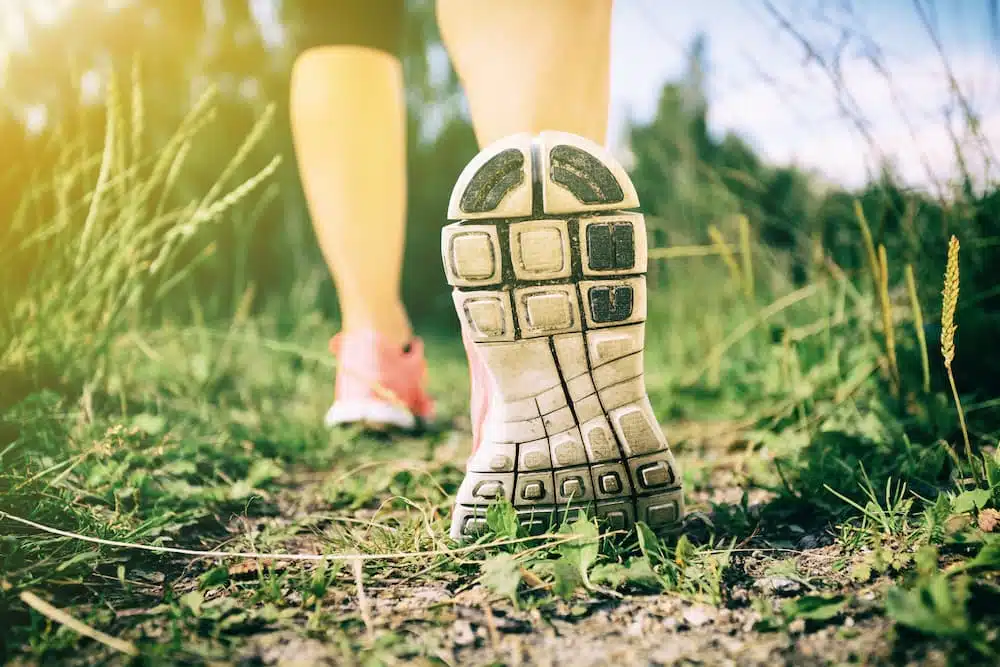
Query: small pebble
(462,633)
(778,585)
(699,615)
(739,594)
(670,654)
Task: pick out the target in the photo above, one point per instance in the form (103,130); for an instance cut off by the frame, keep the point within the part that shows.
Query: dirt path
(784,594)
(444,616)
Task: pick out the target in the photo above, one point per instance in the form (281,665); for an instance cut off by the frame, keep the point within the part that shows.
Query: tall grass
(948,328)
(93,266)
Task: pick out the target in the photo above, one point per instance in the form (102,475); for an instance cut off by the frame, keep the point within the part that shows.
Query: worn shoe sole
(548,269)
(370,413)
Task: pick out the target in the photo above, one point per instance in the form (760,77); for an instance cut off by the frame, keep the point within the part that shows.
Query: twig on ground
(491,627)
(363,604)
(81,628)
(554,539)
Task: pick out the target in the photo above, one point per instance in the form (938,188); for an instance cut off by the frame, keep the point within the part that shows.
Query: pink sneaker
(547,259)
(480,395)
(379,384)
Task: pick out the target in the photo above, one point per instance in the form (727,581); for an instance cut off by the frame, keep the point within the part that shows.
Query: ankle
(393,329)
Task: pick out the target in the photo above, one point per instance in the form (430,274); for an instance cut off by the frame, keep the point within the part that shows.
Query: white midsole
(370,412)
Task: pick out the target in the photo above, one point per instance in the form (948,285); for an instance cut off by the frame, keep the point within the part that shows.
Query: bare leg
(548,262)
(531,65)
(349,122)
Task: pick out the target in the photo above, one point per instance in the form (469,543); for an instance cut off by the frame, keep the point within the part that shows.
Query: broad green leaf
(502,575)
(815,607)
(567,578)
(150,424)
(636,573)
(988,557)
(936,608)
(217,576)
(974,499)
(649,544)
(581,552)
(193,601)
(501,518)
(684,551)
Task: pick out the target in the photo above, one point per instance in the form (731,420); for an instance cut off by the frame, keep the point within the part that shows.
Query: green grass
(811,449)
(211,439)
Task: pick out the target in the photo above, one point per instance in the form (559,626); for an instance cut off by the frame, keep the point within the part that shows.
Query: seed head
(950,294)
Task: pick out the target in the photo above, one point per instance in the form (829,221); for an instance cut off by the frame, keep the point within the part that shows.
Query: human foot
(379,385)
(548,269)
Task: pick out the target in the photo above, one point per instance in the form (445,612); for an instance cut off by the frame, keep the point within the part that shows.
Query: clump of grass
(885,306)
(746,254)
(918,324)
(878,265)
(726,253)
(96,265)
(948,329)
(866,236)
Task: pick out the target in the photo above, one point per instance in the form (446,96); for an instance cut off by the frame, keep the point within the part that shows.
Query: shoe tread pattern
(555,300)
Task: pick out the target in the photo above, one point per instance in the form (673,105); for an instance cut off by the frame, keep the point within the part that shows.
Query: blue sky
(762,87)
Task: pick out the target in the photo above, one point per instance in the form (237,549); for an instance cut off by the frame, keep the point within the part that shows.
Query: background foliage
(184,48)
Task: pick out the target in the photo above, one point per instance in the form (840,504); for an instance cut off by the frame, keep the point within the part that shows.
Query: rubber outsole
(371,413)
(548,268)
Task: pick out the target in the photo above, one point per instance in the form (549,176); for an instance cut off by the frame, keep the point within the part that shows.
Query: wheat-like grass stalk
(110,131)
(888,329)
(252,140)
(746,250)
(878,265)
(866,236)
(949,304)
(948,329)
(236,195)
(726,253)
(138,108)
(683,251)
(918,324)
(62,618)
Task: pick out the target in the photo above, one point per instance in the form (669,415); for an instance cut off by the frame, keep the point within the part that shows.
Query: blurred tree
(687,178)
(186,46)
(683,175)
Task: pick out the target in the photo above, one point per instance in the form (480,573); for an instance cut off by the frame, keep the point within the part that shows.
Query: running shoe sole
(548,268)
(371,414)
